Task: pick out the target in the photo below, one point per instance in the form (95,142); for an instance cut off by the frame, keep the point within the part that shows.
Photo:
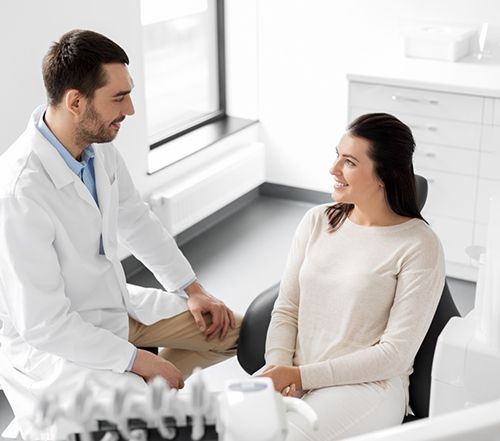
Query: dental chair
(251,346)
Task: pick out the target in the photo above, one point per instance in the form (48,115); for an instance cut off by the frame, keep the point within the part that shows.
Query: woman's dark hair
(75,62)
(391,149)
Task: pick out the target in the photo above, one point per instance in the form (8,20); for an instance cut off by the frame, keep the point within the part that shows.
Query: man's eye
(119,100)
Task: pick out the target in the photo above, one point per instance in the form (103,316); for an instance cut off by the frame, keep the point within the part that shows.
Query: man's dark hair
(76,62)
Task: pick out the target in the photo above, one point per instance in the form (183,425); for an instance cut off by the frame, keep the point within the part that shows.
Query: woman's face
(354,174)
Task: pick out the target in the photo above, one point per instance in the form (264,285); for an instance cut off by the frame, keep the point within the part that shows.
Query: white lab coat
(65,307)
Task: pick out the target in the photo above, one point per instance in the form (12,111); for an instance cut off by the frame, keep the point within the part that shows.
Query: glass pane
(181,63)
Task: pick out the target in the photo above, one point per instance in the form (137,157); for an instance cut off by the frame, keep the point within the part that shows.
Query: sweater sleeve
(282,333)
(418,290)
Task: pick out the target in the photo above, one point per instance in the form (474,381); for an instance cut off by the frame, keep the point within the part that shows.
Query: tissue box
(438,42)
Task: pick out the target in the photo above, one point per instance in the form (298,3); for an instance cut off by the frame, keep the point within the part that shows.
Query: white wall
(286,65)
(306,48)
(27,27)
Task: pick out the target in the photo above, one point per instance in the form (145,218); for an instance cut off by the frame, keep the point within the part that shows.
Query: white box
(438,42)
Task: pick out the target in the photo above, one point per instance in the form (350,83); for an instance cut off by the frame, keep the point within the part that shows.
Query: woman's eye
(349,163)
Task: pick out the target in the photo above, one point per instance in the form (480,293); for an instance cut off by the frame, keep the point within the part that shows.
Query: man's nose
(129,107)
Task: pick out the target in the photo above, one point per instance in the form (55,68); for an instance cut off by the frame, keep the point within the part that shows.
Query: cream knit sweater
(355,305)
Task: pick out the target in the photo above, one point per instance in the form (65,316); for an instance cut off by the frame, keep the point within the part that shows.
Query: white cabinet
(496,112)
(457,149)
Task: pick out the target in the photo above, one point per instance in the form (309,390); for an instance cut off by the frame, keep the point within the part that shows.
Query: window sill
(192,142)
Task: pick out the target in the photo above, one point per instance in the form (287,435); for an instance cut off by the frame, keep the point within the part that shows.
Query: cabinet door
(434,130)
(490,153)
(451,196)
(486,189)
(496,112)
(455,236)
(444,158)
(480,234)
(422,102)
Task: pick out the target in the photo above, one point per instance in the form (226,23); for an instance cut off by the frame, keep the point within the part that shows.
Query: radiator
(209,188)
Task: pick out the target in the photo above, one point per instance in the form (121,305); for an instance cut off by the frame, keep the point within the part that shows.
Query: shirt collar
(76,166)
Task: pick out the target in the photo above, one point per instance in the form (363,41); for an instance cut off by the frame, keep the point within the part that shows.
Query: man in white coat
(66,198)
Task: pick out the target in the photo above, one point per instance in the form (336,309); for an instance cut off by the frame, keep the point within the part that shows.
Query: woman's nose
(334,168)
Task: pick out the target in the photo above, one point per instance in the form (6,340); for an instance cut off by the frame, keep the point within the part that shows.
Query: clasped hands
(199,302)
(286,379)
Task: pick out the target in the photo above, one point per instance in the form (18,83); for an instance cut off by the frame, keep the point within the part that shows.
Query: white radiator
(209,188)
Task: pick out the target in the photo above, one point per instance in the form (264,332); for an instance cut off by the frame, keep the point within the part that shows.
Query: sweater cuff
(316,375)
(278,357)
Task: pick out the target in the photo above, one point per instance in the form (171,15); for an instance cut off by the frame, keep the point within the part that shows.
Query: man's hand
(201,302)
(286,379)
(149,365)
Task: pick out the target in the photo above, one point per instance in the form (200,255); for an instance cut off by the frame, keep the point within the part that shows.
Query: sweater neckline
(384,229)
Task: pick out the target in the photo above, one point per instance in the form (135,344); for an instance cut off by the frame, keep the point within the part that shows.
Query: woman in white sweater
(361,285)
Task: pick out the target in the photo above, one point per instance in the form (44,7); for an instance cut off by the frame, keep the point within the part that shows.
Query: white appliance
(438,42)
(251,410)
(248,409)
(479,423)
(466,368)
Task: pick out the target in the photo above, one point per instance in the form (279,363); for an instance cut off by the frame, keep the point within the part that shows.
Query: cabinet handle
(426,154)
(418,127)
(414,100)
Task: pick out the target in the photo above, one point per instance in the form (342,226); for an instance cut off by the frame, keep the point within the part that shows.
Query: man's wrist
(132,361)
(194,288)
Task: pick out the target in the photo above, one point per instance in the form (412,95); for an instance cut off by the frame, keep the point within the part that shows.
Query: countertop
(467,76)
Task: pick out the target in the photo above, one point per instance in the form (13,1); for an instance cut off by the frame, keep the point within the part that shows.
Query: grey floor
(240,257)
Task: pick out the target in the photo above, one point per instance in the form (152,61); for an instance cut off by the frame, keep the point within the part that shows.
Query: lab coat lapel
(59,172)
(104,189)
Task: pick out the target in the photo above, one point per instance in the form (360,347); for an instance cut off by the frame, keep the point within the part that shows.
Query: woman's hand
(286,379)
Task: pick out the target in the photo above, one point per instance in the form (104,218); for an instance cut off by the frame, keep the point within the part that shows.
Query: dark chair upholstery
(421,188)
(256,321)
(253,330)
(420,379)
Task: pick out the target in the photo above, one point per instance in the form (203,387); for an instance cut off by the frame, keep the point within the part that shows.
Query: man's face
(100,121)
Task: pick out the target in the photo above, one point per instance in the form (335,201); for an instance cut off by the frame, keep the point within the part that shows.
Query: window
(184,65)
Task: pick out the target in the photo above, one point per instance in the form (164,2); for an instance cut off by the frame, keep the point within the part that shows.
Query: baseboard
(294,193)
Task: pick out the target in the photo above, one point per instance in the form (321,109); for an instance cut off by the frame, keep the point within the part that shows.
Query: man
(65,197)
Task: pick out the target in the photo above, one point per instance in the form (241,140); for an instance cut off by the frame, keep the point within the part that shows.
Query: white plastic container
(438,42)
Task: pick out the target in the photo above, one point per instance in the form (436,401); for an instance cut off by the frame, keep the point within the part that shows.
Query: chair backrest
(421,189)
(252,342)
(420,379)
(253,330)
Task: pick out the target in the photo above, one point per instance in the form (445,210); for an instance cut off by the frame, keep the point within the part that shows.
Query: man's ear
(73,101)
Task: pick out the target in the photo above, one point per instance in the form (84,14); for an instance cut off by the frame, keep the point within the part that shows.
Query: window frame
(221,66)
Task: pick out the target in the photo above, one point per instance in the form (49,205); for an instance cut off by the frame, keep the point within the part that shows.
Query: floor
(242,256)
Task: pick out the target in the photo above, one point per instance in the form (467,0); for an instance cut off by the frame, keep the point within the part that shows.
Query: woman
(361,285)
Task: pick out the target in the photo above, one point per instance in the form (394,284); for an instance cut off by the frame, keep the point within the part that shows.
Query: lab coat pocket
(40,364)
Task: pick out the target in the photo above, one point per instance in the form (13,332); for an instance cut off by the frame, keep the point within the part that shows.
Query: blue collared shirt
(84,169)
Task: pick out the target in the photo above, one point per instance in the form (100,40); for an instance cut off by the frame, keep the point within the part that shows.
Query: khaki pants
(182,342)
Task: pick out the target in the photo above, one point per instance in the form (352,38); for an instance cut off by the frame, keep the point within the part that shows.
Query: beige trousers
(182,342)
